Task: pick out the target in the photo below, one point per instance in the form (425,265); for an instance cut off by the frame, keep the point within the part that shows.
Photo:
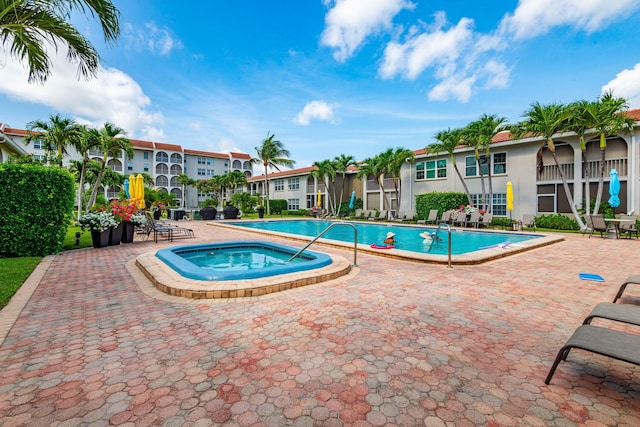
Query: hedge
(276,206)
(36,205)
(440,201)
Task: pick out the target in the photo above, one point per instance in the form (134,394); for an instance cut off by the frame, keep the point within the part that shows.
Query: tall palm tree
(398,157)
(324,169)
(377,167)
(28,26)
(579,122)
(472,139)
(607,117)
(271,153)
(89,139)
(235,179)
(184,180)
(111,145)
(485,128)
(56,134)
(341,165)
(546,121)
(448,141)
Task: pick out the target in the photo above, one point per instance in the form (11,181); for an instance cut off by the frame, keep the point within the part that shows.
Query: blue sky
(333,76)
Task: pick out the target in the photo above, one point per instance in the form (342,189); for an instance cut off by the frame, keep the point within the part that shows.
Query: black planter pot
(100,239)
(127,232)
(116,235)
(208,213)
(260,212)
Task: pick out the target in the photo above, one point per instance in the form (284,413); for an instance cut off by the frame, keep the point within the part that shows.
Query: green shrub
(36,204)
(276,206)
(557,222)
(440,201)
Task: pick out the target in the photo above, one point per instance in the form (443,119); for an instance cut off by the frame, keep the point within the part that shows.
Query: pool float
(503,245)
(374,246)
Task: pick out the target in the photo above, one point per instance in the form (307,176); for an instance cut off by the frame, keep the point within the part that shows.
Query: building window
(161,168)
(279,184)
(499,163)
(202,172)
(161,156)
(237,164)
(202,161)
(162,180)
(38,144)
(129,166)
(431,169)
(499,207)
(176,158)
(311,201)
(209,162)
(476,201)
(210,172)
(293,204)
(145,155)
(293,183)
(145,168)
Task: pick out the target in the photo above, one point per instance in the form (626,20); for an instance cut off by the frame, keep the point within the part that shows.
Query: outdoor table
(616,224)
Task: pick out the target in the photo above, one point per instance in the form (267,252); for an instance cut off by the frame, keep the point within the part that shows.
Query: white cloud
(535,17)
(152,38)
(458,87)
(113,96)
(626,85)
(319,110)
(350,22)
(438,48)
(226,145)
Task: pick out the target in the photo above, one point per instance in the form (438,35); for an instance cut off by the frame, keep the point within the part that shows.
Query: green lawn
(13,273)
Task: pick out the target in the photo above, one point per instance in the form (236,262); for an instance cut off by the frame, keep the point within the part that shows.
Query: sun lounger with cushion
(606,342)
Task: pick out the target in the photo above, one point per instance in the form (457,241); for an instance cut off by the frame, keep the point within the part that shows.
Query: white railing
(550,171)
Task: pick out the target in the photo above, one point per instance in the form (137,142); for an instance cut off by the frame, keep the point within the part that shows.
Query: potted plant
(100,224)
(260,209)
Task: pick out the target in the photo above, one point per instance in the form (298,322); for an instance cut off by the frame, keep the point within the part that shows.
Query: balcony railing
(550,171)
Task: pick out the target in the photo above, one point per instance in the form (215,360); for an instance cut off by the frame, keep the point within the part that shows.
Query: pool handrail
(442,225)
(355,241)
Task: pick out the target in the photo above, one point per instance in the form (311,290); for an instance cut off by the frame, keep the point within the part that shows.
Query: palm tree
(398,157)
(607,117)
(29,26)
(112,146)
(323,170)
(89,139)
(185,181)
(235,179)
(449,140)
(546,121)
(471,138)
(579,122)
(484,129)
(341,165)
(56,134)
(377,167)
(271,153)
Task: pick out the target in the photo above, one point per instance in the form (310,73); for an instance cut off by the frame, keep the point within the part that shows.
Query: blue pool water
(407,237)
(238,260)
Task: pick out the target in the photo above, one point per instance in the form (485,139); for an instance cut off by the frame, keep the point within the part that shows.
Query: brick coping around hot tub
(171,282)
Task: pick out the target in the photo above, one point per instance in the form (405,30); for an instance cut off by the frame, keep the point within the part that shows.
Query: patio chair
(529,221)
(629,227)
(588,225)
(459,218)
(473,220)
(431,219)
(599,224)
(165,229)
(382,215)
(487,218)
(624,313)
(631,280)
(606,342)
(446,217)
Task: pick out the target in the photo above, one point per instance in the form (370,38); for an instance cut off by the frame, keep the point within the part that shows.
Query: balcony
(550,172)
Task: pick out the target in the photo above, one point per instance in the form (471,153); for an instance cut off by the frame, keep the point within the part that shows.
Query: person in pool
(390,239)
(429,238)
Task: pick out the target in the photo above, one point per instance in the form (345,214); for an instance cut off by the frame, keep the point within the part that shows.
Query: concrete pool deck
(399,343)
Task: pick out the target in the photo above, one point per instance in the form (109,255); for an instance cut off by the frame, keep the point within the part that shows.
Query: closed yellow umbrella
(140,183)
(319,202)
(509,197)
(136,189)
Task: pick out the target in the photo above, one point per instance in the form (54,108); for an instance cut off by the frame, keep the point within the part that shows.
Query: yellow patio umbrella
(137,191)
(509,197)
(319,202)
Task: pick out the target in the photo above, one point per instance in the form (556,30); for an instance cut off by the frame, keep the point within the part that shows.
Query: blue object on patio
(589,276)
(614,189)
(353,200)
(126,188)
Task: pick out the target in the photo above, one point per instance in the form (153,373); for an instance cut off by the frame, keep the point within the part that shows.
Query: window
(202,172)
(209,162)
(279,184)
(294,183)
(210,172)
(162,181)
(161,168)
(499,163)
(237,164)
(431,169)
(146,155)
(476,200)
(293,204)
(38,144)
(176,158)
(161,156)
(202,161)
(499,204)
(129,166)
(145,168)
(311,201)
(176,169)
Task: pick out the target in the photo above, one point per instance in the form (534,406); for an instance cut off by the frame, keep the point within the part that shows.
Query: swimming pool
(407,238)
(239,260)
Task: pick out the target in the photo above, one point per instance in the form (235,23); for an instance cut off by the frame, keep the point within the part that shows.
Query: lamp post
(78,238)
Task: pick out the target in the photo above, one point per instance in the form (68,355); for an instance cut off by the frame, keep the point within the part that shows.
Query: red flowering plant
(122,211)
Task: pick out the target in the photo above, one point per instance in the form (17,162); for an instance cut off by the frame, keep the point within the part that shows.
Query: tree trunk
(596,208)
(484,191)
(266,189)
(566,190)
(94,191)
(490,204)
(81,185)
(464,184)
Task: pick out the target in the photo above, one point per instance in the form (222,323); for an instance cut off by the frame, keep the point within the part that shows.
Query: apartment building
(164,162)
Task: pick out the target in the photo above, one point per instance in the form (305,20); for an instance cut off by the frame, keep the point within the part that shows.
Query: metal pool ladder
(355,241)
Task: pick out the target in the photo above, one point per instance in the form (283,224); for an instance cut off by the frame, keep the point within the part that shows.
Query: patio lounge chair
(529,221)
(629,227)
(635,280)
(165,229)
(382,215)
(625,313)
(596,339)
(446,217)
(487,218)
(599,224)
(431,219)
(473,220)
(588,225)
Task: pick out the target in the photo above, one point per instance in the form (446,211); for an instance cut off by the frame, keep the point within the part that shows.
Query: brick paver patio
(392,343)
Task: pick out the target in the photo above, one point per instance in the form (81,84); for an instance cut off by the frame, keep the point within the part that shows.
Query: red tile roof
(206,154)
(142,144)
(170,147)
(292,172)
